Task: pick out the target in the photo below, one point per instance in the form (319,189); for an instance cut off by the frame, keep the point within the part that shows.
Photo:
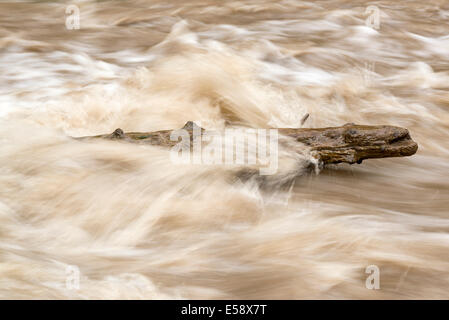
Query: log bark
(349,143)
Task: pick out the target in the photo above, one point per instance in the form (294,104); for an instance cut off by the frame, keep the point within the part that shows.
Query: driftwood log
(349,143)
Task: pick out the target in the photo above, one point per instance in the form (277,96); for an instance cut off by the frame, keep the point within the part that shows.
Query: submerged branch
(350,143)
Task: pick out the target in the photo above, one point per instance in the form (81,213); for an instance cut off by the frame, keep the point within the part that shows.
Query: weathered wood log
(350,143)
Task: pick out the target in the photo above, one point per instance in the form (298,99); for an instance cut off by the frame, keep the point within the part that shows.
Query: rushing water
(136,225)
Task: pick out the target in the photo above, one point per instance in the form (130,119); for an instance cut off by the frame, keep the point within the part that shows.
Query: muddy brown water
(137,226)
